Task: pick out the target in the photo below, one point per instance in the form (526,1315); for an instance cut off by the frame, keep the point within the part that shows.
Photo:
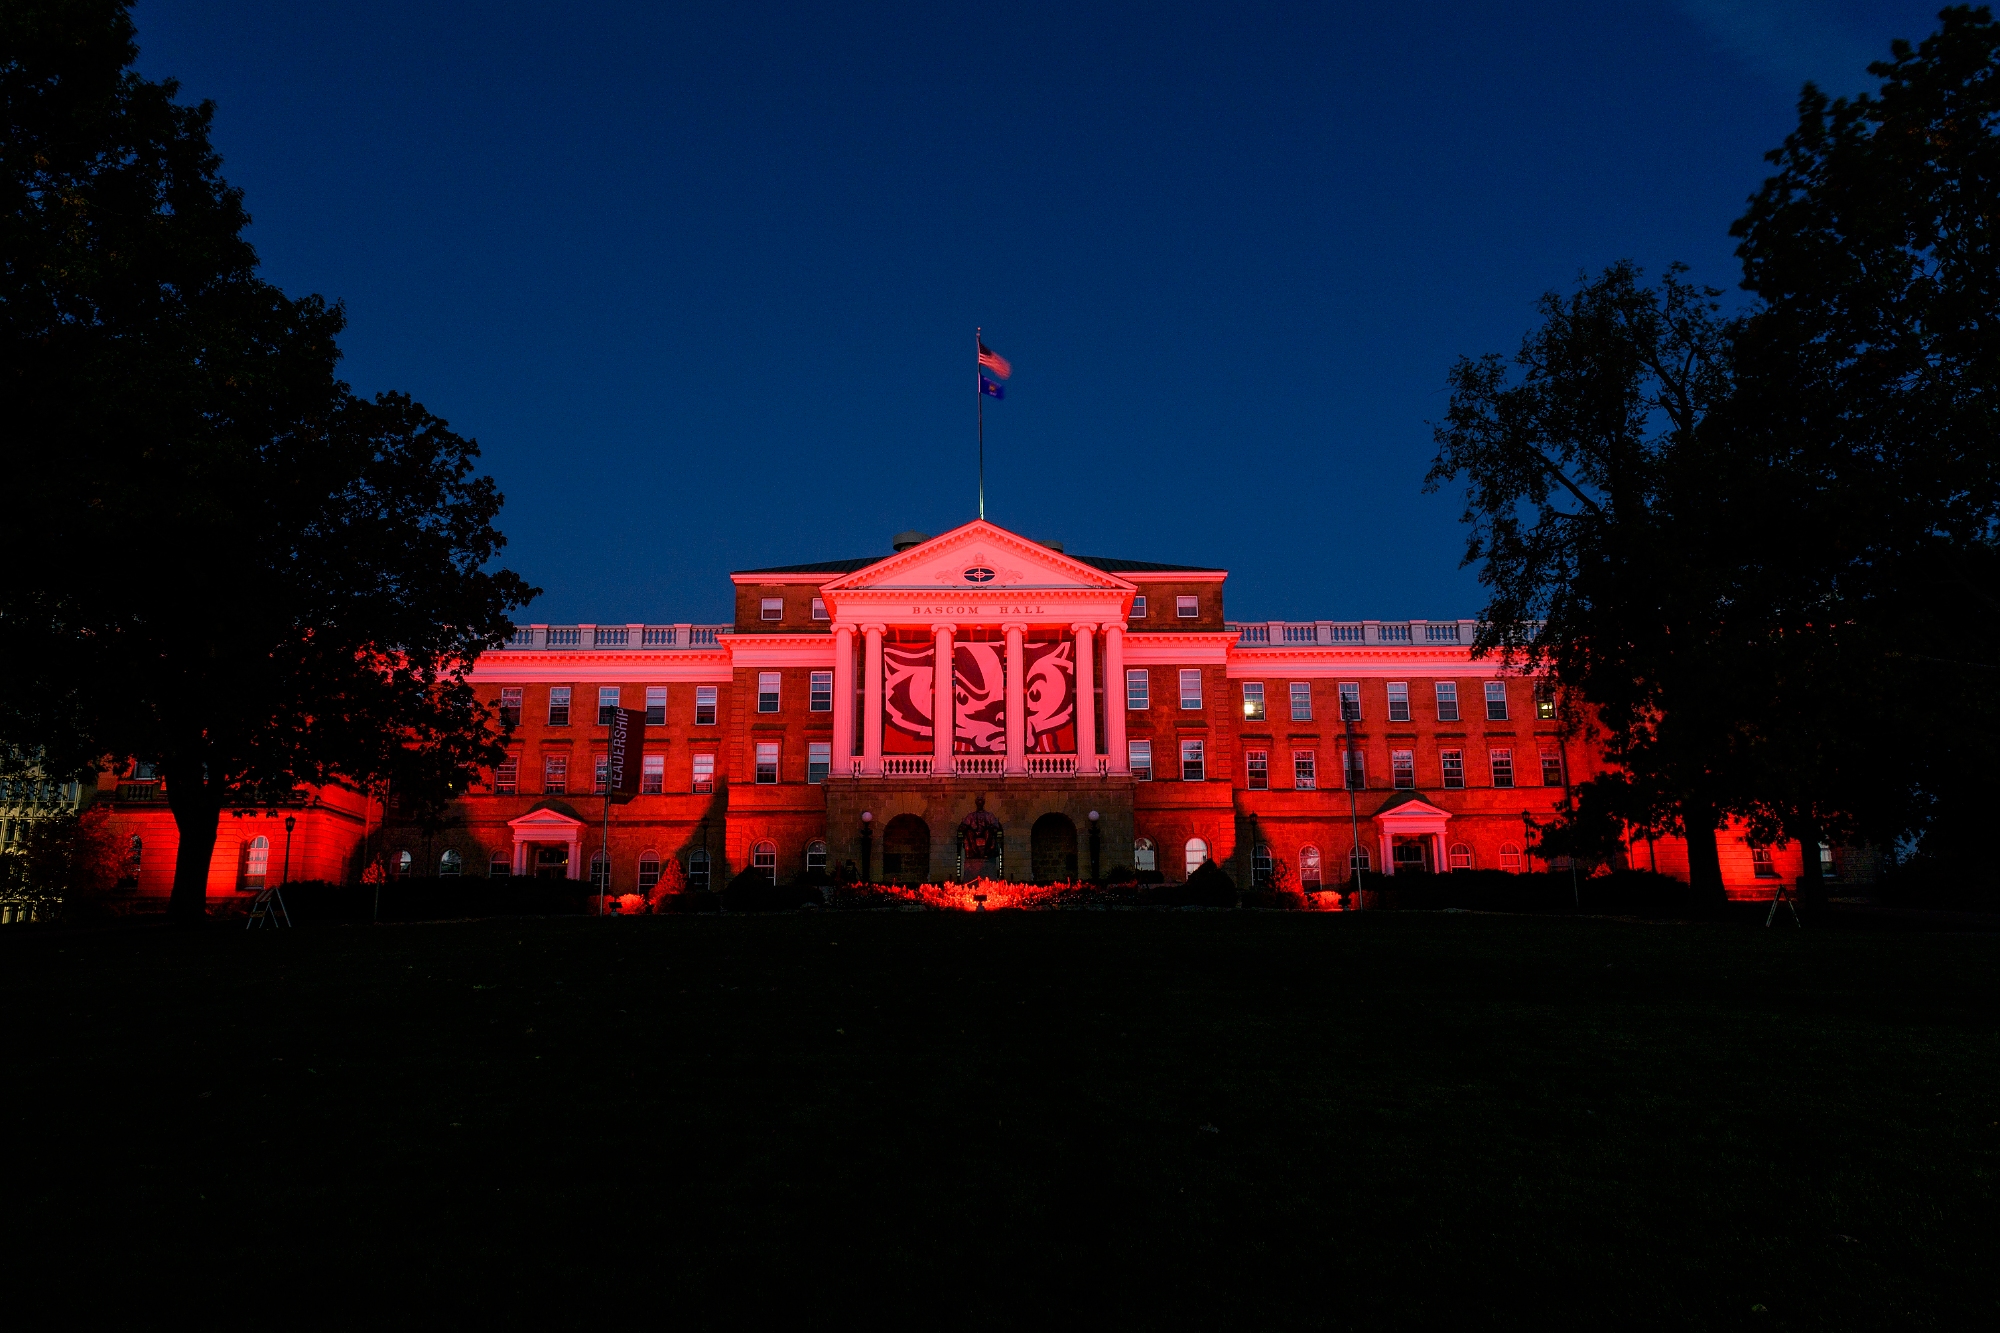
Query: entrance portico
(1408,815)
(545,825)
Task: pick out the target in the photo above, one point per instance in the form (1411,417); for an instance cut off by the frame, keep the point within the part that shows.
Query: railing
(614,636)
(609,636)
(140,791)
(987,766)
(1437,633)
(657,638)
(980,765)
(1395,633)
(564,638)
(1051,765)
(906,766)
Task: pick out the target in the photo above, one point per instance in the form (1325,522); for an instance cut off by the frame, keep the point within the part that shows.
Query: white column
(1387,865)
(843,700)
(1114,699)
(871,702)
(520,853)
(575,854)
(1086,699)
(944,677)
(1017,701)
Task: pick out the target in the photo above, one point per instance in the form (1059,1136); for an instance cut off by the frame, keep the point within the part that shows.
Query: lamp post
(867,844)
(290,823)
(1096,843)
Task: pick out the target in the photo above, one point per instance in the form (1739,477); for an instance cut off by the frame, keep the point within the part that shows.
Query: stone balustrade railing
(614,636)
(1332,633)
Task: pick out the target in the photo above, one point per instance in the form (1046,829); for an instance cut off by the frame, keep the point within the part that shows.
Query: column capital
(874,627)
(1113,627)
(844,627)
(944,627)
(1013,627)
(1084,627)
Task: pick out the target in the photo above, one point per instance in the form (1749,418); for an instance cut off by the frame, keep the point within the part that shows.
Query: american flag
(993,361)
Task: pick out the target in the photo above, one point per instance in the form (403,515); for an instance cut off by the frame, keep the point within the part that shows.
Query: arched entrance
(906,851)
(1052,848)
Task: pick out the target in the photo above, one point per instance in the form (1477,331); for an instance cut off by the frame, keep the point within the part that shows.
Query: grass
(1132,1118)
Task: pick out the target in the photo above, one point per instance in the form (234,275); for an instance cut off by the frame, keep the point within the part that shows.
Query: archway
(906,851)
(1052,848)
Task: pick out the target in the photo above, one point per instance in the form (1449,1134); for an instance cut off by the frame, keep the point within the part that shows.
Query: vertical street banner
(628,745)
(1049,689)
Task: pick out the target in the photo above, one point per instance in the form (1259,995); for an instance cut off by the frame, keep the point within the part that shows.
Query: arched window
(816,855)
(500,867)
(1260,865)
(649,870)
(600,871)
(1143,855)
(450,865)
(697,873)
(1461,856)
(1510,858)
(1309,869)
(404,864)
(764,856)
(1197,852)
(1357,860)
(256,860)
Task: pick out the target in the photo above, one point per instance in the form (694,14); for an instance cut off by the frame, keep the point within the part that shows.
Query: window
(1138,691)
(1350,702)
(697,871)
(600,774)
(1412,856)
(819,608)
(1459,857)
(1760,863)
(1503,768)
(1191,761)
(1828,867)
(607,704)
(507,777)
(1253,701)
(819,760)
(773,609)
(1355,763)
(704,705)
(649,870)
(819,696)
(1260,769)
(704,772)
(451,865)
(767,691)
(1187,608)
(1140,754)
(1305,770)
(1197,852)
(1260,865)
(1302,701)
(555,774)
(1447,696)
(499,867)
(1403,769)
(1552,769)
(1191,689)
(510,706)
(764,856)
(1357,860)
(767,762)
(1545,700)
(257,861)
(1144,857)
(656,705)
(1139,608)
(1453,764)
(1510,858)
(816,856)
(653,777)
(1496,701)
(404,863)
(559,705)
(1308,869)
(1399,701)
(600,871)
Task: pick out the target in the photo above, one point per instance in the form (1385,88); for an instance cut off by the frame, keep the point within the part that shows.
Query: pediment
(977,557)
(545,818)
(1410,806)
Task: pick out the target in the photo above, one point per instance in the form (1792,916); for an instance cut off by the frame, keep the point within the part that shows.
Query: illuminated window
(1503,768)
(819,697)
(656,705)
(1355,765)
(1828,867)
(1447,697)
(697,871)
(819,760)
(507,777)
(256,861)
(1191,689)
(1305,770)
(559,705)
(704,705)
(767,763)
(764,856)
(1143,856)
(1403,769)
(649,870)
(1510,858)
(1138,691)
(1140,756)
(1399,701)
(1460,856)
(1453,764)
(1302,701)
(1259,762)
(1496,701)
(600,774)
(1253,701)
(774,608)
(653,777)
(1191,761)
(1308,869)
(607,704)
(1197,852)
(819,608)
(704,772)
(1545,700)
(555,774)
(1139,608)
(600,871)
(404,863)
(1357,860)
(816,856)
(510,706)
(1187,608)
(1260,865)
(1552,769)
(767,691)
(1350,702)
(451,865)
(1760,863)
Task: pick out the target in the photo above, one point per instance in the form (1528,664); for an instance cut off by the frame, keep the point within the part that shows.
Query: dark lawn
(1140,1118)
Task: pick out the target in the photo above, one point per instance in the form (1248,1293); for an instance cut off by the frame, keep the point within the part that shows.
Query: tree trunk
(1704,862)
(1812,884)
(196,815)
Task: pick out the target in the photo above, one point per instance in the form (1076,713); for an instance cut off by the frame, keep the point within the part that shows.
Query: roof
(819,566)
(1109,564)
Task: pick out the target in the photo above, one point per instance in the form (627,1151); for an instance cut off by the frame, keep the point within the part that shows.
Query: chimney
(903,541)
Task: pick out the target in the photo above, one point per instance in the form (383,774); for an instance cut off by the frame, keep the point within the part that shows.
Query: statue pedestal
(981,867)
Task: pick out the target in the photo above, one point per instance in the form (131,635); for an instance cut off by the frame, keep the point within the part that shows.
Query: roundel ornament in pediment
(979,574)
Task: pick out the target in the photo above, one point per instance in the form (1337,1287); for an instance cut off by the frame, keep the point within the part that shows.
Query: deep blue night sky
(702,280)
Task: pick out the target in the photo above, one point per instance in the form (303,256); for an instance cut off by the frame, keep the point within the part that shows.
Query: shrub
(1211,886)
(753,891)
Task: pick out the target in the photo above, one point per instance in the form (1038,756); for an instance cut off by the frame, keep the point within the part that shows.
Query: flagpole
(980,394)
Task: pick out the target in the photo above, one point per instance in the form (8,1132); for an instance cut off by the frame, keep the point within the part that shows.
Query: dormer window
(819,608)
(1187,608)
(774,608)
(1138,608)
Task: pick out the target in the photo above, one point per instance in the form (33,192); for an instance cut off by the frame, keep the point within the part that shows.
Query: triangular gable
(544,818)
(1409,805)
(979,556)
